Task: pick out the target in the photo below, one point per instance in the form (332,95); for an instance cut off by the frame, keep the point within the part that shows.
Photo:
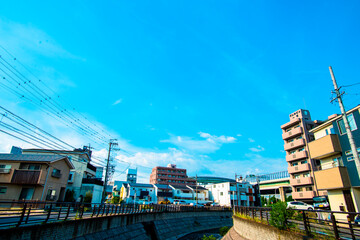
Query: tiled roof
(141,185)
(30,157)
(179,187)
(162,186)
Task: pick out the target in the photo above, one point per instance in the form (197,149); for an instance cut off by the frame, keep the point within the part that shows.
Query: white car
(299,205)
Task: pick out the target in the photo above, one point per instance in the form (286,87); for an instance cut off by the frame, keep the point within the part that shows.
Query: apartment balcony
(332,178)
(26,176)
(294,144)
(303,195)
(296,156)
(325,147)
(95,181)
(301,181)
(299,168)
(292,133)
(291,123)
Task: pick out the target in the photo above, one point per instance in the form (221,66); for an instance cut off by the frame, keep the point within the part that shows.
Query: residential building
(33,177)
(205,180)
(163,192)
(170,175)
(140,193)
(336,171)
(301,167)
(82,172)
(131,175)
(232,193)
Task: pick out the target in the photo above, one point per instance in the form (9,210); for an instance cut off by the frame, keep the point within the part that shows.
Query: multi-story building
(336,172)
(170,175)
(33,177)
(301,167)
(131,175)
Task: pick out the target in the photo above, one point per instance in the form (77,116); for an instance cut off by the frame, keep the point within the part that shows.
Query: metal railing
(313,223)
(21,213)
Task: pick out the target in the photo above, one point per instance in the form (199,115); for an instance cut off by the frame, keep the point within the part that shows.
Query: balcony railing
(301,181)
(295,144)
(296,156)
(292,133)
(325,147)
(299,168)
(303,195)
(332,178)
(26,176)
(291,123)
(95,181)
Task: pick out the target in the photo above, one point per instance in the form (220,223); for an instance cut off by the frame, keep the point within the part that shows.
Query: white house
(232,193)
(141,193)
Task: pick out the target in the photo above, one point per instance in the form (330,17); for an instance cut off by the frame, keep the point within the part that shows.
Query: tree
(88,197)
(279,216)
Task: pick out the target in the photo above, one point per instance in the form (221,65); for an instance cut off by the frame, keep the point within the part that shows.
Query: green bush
(279,216)
(115,200)
(224,230)
(88,197)
(211,237)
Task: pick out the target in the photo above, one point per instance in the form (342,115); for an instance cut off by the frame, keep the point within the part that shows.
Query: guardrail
(16,214)
(314,223)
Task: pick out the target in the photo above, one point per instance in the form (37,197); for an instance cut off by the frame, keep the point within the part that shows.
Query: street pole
(346,123)
(111,144)
(196,191)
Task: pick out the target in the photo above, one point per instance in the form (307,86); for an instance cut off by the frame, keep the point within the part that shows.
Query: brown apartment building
(301,167)
(33,177)
(170,175)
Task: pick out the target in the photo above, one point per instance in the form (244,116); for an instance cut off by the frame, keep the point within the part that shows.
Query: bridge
(42,220)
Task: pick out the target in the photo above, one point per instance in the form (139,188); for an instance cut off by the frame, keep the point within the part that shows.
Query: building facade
(131,175)
(170,175)
(301,167)
(336,171)
(33,177)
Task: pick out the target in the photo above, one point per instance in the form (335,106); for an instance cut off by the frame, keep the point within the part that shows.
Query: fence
(315,223)
(16,214)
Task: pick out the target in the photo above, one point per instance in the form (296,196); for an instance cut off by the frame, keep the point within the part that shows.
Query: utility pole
(196,190)
(112,144)
(346,123)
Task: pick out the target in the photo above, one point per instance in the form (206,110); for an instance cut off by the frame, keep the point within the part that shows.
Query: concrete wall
(249,229)
(134,226)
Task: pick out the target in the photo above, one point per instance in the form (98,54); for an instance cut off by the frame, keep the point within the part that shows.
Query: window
(3,190)
(351,121)
(56,173)
(27,166)
(298,189)
(295,164)
(221,194)
(347,153)
(350,159)
(301,150)
(306,175)
(71,176)
(309,188)
(5,168)
(304,161)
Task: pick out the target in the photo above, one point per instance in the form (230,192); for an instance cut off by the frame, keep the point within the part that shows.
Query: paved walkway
(233,235)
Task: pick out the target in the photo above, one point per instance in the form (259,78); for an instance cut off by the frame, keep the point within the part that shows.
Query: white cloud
(117,102)
(257,149)
(238,135)
(251,140)
(211,143)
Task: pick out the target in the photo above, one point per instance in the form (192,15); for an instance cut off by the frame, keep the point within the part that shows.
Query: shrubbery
(279,216)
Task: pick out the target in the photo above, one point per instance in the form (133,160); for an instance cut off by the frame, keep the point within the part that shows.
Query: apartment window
(221,194)
(214,186)
(309,188)
(27,166)
(298,189)
(349,159)
(3,190)
(296,176)
(51,194)
(295,164)
(347,153)
(293,151)
(71,176)
(304,161)
(5,168)
(306,175)
(301,137)
(301,150)
(351,121)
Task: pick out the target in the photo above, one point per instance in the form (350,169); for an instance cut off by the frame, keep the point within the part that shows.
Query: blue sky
(203,84)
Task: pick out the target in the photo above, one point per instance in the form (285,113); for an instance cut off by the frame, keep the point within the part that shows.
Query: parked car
(299,205)
(215,204)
